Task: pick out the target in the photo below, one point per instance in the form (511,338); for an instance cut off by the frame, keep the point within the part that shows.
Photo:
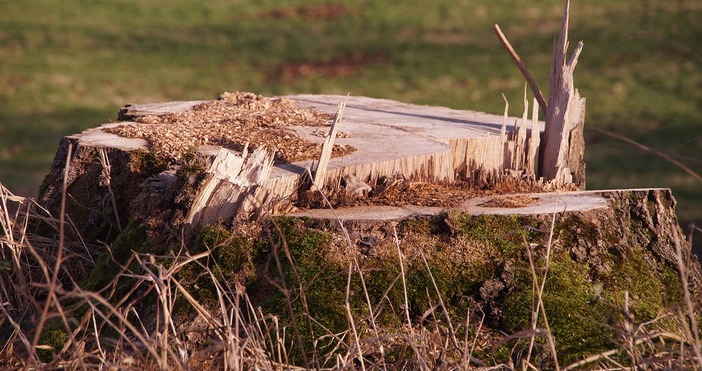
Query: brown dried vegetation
(310,12)
(347,65)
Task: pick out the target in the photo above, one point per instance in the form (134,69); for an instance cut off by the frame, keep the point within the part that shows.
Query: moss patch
(230,261)
(578,323)
(134,238)
(652,290)
(146,163)
(462,253)
(297,259)
(53,335)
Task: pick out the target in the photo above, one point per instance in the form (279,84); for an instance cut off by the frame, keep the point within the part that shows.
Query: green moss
(53,335)
(504,232)
(670,279)
(191,163)
(456,281)
(109,264)
(436,226)
(146,162)
(501,355)
(231,260)
(578,324)
(311,273)
(651,292)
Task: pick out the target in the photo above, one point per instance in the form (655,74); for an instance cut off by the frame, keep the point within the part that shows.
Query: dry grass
(104,329)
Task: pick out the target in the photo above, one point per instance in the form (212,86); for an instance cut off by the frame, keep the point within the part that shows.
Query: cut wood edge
(132,111)
(538,204)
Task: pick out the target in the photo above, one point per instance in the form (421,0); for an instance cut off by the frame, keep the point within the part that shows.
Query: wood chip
(232,121)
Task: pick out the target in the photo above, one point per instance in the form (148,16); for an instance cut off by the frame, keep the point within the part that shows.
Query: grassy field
(69,65)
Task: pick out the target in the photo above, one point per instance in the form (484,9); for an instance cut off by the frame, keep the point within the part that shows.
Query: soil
(310,12)
(233,121)
(347,65)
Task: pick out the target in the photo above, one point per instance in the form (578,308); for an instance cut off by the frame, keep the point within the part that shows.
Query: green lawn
(68,65)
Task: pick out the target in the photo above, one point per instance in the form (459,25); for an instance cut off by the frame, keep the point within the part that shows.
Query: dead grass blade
(353,254)
(539,289)
(688,304)
(106,181)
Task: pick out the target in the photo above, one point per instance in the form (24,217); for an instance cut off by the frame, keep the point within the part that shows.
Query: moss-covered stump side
(480,264)
(418,282)
(469,279)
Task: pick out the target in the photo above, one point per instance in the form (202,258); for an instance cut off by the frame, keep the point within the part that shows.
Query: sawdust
(400,192)
(232,121)
(509,202)
(423,194)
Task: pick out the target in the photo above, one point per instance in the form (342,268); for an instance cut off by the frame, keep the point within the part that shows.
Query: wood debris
(509,202)
(232,121)
(400,192)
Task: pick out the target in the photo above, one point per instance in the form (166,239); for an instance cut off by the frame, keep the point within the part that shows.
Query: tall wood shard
(321,167)
(563,150)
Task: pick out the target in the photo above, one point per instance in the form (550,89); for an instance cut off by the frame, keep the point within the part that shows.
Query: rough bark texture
(597,256)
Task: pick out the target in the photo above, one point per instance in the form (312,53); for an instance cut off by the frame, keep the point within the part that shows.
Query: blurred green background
(71,64)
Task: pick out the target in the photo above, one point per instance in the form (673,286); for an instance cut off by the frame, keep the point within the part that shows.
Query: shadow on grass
(28,142)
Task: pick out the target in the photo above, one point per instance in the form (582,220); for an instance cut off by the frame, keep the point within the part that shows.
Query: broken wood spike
(534,142)
(321,167)
(562,154)
(503,130)
(573,61)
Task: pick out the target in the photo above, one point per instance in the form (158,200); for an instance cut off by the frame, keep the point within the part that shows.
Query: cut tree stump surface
(386,130)
(380,129)
(131,111)
(98,137)
(514,204)
(383,129)
(390,138)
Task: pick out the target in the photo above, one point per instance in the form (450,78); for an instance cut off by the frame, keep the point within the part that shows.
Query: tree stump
(447,192)
(477,211)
